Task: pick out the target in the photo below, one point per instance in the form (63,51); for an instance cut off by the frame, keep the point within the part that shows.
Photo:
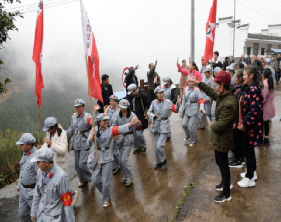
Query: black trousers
(266,127)
(238,144)
(249,153)
(152,95)
(222,162)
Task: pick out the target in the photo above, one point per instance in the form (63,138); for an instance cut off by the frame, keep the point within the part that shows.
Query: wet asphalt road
(154,193)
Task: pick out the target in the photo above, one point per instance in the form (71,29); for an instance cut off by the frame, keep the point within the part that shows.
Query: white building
(245,43)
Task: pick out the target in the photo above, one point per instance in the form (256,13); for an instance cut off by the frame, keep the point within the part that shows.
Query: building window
(262,51)
(268,49)
(279,46)
(256,48)
(249,50)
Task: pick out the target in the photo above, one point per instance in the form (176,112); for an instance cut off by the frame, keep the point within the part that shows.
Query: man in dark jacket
(153,80)
(139,102)
(242,59)
(131,77)
(222,128)
(248,60)
(107,91)
(257,63)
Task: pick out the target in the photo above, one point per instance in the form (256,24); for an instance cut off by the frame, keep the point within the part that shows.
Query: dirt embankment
(13,88)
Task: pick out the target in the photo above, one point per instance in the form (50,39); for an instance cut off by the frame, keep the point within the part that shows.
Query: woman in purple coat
(268,99)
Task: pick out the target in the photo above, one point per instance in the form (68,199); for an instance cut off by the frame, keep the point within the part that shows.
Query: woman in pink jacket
(268,99)
(193,71)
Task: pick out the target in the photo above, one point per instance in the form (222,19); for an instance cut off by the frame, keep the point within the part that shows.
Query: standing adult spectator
(257,63)
(248,60)
(182,83)
(237,150)
(226,63)
(131,77)
(153,80)
(193,70)
(274,65)
(107,91)
(216,62)
(268,102)
(268,66)
(222,128)
(250,122)
(242,59)
(232,60)
(139,104)
(278,60)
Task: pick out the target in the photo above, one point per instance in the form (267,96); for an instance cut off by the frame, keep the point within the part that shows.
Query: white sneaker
(105,204)
(246,182)
(243,175)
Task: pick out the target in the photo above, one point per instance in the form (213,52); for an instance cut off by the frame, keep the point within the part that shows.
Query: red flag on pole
(37,53)
(92,56)
(210,32)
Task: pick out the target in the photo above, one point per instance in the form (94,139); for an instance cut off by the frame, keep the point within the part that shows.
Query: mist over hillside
(63,84)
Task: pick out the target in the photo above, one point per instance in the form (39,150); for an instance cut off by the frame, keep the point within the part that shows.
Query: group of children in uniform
(113,133)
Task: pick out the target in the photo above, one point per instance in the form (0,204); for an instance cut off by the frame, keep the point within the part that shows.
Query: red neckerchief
(28,154)
(158,100)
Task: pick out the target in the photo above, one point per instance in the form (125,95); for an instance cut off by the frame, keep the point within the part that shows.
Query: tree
(7,23)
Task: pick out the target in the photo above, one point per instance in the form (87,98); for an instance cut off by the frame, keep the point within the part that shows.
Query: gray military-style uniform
(112,113)
(207,106)
(47,204)
(102,177)
(27,177)
(190,111)
(125,143)
(79,131)
(161,126)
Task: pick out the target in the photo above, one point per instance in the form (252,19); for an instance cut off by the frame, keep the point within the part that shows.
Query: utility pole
(192,33)
(234,27)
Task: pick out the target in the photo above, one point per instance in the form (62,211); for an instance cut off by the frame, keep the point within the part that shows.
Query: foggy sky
(127,32)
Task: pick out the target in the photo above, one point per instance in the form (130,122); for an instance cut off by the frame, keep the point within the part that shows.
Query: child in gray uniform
(104,138)
(125,142)
(159,113)
(171,93)
(207,99)
(112,111)
(192,99)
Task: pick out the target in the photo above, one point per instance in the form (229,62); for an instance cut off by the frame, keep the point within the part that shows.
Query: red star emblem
(124,103)
(159,87)
(104,114)
(114,96)
(91,157)
(76,101)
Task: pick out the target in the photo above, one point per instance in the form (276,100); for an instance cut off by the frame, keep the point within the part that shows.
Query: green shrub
(9,151)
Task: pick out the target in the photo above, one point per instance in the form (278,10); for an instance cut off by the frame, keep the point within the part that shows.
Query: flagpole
(38,121)
(92,112)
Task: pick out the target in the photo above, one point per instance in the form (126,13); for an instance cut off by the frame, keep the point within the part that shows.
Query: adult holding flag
(37,58)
